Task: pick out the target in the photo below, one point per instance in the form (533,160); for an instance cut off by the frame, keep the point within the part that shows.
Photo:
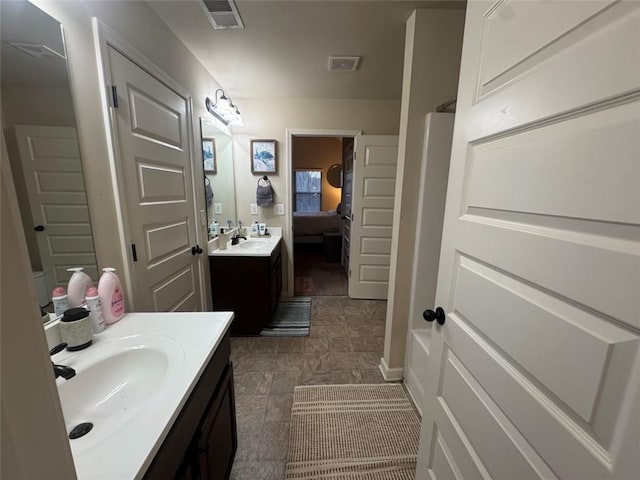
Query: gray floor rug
(292,319)
(352,432)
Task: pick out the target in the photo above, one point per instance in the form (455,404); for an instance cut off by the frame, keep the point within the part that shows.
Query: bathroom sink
(114,381)
(251,247)
(257,244)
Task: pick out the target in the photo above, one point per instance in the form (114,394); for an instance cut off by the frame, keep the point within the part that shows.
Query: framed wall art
(264,156)
(209,159)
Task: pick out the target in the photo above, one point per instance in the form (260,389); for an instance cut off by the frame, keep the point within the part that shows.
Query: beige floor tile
(365,344)
(261,470)
(250,409)
(313,345)
(253,383)
(316,377)
(346,376)
(340,344)
(367,360)
(317,361)
(343,361)
(291,344)
(274,440)
(279,407)
(289,361)
(262,362)
(371,375)
(266,345)
(285,381)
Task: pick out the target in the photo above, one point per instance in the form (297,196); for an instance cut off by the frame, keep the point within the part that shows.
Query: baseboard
(412,397)
(390,374)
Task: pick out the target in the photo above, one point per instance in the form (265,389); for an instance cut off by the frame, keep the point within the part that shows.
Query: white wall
(433,47)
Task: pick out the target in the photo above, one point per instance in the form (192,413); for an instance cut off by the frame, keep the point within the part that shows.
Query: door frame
(104,37)
(288,174)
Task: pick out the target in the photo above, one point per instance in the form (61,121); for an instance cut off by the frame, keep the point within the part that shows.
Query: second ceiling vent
(223,14)
(343,64)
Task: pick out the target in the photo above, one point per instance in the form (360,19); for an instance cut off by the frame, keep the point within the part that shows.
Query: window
(308,190)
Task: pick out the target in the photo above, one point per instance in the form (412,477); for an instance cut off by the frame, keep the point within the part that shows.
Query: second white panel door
(374,182)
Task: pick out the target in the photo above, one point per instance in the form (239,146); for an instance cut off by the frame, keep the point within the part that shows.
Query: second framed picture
(264,156)
(209,159)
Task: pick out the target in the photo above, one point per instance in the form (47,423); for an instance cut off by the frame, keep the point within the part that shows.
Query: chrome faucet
(61,370)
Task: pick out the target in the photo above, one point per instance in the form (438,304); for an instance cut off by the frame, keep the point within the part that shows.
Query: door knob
(196,250)
(39,228)
(439,315)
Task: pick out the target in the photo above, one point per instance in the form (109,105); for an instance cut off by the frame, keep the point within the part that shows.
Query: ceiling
(284,48)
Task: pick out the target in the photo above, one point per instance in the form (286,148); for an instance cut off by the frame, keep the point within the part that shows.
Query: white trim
(412,396)
(104,38)
(390,374)
(287,233)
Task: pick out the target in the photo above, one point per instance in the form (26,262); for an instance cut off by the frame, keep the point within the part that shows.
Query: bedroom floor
(316,277)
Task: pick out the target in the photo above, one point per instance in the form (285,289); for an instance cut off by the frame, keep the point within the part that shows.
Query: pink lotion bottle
(111,296)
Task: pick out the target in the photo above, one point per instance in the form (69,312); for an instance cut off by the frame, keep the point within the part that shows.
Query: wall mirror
(39,127)
(334,175)
(217,163)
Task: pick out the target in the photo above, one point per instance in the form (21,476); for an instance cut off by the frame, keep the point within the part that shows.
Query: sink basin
(114,381)
(256,244)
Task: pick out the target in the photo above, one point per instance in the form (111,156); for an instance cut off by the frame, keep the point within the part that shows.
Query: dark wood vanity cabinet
(202,442)
(250,287)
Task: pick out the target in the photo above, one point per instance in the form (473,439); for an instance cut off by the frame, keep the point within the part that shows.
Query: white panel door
(374,183)
(431,199)
(154,154)
(52,170)
(535,372)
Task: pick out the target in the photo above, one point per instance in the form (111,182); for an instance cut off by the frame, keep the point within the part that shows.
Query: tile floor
(316,277)
(345,346)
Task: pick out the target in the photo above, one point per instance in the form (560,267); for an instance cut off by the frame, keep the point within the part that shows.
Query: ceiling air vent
(37,50)
(343,64)
(223,14)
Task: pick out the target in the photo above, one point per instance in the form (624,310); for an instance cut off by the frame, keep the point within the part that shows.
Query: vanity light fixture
(224,109)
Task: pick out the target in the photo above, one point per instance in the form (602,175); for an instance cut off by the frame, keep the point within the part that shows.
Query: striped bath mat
(349,432)
(292,319)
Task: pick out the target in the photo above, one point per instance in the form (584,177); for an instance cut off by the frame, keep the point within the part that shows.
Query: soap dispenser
(77,288)
(111,296)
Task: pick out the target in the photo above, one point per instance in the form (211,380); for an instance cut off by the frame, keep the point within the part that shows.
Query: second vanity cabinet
(250,286)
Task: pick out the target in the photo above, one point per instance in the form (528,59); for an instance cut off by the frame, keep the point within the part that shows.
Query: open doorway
(319,193)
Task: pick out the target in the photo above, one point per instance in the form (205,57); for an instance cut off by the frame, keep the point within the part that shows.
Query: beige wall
(33,437)
(319,153)
(433,47)
(270,119)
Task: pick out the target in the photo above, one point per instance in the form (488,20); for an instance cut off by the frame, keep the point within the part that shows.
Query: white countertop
(128,452)
(249,247)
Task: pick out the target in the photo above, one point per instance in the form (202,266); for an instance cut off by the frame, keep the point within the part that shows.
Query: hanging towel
(208,192)
(264,193)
